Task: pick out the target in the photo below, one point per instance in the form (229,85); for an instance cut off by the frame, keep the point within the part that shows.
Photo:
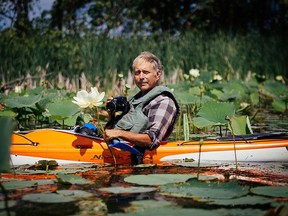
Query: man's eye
(137,72)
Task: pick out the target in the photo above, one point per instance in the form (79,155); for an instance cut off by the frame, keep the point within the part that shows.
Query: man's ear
(158,74)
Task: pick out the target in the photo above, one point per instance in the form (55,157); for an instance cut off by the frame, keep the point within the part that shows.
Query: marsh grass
(100,58)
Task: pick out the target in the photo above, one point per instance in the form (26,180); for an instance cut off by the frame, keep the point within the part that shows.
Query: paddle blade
(124,147)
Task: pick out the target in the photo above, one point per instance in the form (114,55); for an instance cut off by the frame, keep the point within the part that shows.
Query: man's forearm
(142,140)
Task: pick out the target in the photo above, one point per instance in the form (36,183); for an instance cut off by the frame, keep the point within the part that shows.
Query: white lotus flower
(279,78)
(84,99)
(194,72)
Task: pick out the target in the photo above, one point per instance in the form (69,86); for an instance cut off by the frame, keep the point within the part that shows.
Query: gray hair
(149,57)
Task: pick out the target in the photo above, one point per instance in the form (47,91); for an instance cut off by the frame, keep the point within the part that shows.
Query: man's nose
(141,75)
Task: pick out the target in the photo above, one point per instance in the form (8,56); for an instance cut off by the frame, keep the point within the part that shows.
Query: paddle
(124,147)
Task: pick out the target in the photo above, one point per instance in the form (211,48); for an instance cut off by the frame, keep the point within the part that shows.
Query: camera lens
(111,106)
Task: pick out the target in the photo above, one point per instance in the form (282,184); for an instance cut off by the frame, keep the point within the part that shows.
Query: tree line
(112,17)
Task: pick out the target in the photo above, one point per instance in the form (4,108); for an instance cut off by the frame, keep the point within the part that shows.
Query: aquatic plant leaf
(195,91)
(275,88)
(254,97)
(128,190)
(147,204)
(246,200)
(6,130)
(77,194)
(170,211)
(205,191)
(62,109)
(12,185)
(8,113)
(225,95)
(241,212)
(279,105)
(22,101)
(47,198)
(70,121)
(72,179)
(157,179)
(241,125)
(201,122)
(186,98)
(216,112)
(213,114)
(271,191)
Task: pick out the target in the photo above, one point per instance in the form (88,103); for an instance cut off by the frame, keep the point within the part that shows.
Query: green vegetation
(101,58)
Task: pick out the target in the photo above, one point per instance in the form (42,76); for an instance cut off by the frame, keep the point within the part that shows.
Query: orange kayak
(69,146)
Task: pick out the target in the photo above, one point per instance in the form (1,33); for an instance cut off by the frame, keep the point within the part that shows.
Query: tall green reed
(100,58)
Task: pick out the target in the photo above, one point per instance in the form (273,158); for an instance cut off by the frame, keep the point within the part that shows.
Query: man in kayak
(149,116)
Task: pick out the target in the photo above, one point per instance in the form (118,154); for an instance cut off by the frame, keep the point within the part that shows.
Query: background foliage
(102,38)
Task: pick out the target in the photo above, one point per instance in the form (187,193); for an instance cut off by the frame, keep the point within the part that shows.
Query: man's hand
(110,134)
(139,139)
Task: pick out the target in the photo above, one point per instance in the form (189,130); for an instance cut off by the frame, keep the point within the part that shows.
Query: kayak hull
(64,145)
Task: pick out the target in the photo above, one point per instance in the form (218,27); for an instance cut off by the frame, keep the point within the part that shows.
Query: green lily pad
(271,191)
(246,200)
(241,125)
(72,179)
(77,194)
(204,191)
(169,211)
(241,212)
(128,190)
(62,109)
(47,198)
(157,179)
(8,113)
(12,185)
(213,114)
(22,101)
(147,204)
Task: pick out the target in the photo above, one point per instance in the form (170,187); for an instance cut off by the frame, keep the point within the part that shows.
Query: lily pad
(62,109)
(47,198)
(77,194)
(271,191)
(169,211)
(205,191)
(72,179)
(246,200)
(241,125)
(12,185)
(128,190)
(213,114)
(158,179)
(8,113)
(22,101)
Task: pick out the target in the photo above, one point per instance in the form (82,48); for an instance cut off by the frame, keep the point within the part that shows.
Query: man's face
(145,76)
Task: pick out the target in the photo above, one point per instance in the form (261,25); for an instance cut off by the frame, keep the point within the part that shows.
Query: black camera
(119,103)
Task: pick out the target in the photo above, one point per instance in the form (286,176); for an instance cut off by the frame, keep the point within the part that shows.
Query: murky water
(141,203)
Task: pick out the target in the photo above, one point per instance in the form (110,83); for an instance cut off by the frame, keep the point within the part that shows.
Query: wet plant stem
(199,158)
(101,131)
(234,143)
